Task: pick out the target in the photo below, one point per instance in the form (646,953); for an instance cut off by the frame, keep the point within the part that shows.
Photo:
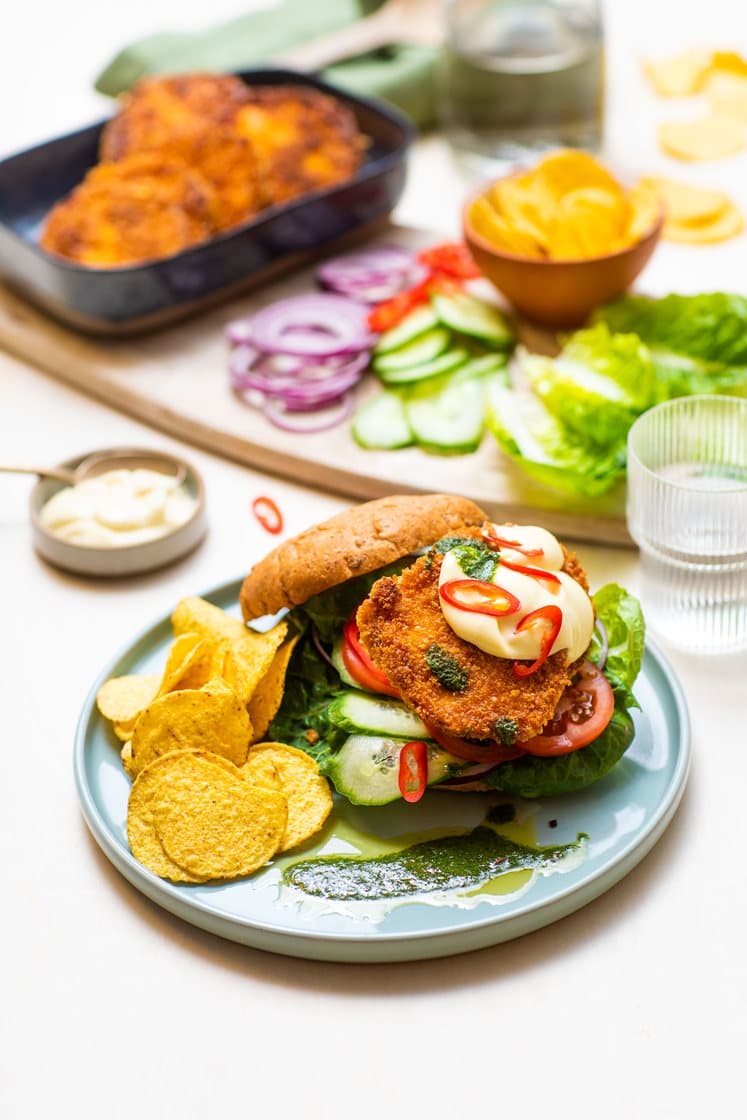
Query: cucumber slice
(366,768)
(448,415)
(424,348)
(419,320)
(444,363)
(358,711)
(469,315)
(380,422)
(339,664)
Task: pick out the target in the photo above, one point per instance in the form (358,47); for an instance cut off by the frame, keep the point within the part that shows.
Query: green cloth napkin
(403,74)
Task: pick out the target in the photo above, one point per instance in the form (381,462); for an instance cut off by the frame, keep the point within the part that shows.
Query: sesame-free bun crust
(352,543)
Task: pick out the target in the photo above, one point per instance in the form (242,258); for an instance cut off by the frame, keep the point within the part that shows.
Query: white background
(631,1008)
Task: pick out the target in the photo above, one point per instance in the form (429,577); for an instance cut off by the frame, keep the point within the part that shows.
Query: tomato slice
(360,666)
(584,711)
(474,752)
(452,258)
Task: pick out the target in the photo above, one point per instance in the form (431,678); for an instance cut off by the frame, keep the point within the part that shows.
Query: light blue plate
(624,815)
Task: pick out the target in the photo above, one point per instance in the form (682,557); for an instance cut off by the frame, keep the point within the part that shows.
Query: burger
(437,648)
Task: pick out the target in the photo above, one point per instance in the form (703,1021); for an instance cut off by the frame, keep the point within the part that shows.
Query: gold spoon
(100,461)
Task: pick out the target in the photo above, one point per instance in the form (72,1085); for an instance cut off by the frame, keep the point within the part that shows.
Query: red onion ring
(373,275)
(277,415)
(310,326)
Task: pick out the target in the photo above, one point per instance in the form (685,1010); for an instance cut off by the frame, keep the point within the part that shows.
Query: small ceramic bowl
(558,293)
(125,560)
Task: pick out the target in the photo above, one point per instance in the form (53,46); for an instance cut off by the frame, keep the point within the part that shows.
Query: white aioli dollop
(498,636)
(117,508)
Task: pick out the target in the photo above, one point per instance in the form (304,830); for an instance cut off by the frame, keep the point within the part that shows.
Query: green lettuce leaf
(621,614)
(597,386)
(546,777)
(547,450)
(698,344)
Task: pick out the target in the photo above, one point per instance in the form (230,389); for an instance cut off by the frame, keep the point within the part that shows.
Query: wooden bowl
(558,293)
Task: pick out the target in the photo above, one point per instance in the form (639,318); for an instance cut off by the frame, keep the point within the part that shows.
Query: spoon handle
(58,473)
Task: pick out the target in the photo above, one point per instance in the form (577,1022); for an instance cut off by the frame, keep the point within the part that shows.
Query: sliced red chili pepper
(359,664)
(452,258)
(479,596)
(550,618)
(517,546)
(392,311)
(413,770)
(537,573)
(268,514)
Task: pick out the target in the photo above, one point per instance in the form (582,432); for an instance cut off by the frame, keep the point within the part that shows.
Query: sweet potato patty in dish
(402,618)
(238,148)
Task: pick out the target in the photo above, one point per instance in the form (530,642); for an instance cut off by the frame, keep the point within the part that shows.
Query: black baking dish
(120,301)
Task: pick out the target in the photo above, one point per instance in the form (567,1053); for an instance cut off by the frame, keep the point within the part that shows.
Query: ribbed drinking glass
(687,511)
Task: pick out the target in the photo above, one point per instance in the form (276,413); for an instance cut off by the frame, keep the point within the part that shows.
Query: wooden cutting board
(176,380)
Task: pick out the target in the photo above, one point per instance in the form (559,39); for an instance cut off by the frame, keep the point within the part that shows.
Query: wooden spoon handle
(43,472)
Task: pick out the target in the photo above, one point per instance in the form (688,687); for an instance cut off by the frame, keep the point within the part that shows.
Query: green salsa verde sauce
(462,863)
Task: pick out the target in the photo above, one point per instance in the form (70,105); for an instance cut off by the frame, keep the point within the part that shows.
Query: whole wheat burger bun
(352,543)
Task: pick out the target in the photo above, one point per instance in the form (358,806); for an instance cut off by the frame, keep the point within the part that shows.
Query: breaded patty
(138,209)
(402,617)
(192,117)
(303,139)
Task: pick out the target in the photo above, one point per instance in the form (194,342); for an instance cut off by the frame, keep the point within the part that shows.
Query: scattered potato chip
(212,823)
(646,208)
(681,75)
(685,202)
(187,663)
(194,615)
(267,695)
(145,794)
(730,62)
(711,137)
(122,699)
(568,207)
(124,731)
(261,771)
(307,792)
(727,94)
(211,718)
(127,761)
(727,224)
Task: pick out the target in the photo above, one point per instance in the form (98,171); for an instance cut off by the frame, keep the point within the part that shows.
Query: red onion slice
(277,415)
(311,326)
(373,275)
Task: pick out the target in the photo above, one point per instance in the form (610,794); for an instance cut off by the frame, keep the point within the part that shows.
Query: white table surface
(632,1007)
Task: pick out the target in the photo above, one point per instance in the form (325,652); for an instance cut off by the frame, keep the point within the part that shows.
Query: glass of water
(519,78)
(687,511)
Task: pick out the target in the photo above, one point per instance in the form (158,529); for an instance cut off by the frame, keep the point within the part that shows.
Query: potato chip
(127,761)
(516,200)
(711,137)
(144,844)
(307,792)
(494,228)
(267,695)
(567,170)
(211,718)
(124,731)
(194,615)
(681,75)
(728,223)
(646,203)
(589,222)
(212,824)
(727,94)
(729,61)
(122,699)
(685,202)
(261,771)
(187,664)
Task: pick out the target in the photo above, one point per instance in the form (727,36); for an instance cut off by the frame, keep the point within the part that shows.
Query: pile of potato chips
(568,207)
(721,76)
(209,800)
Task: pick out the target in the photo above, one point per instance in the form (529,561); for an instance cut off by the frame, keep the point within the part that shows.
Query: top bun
(352,543)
